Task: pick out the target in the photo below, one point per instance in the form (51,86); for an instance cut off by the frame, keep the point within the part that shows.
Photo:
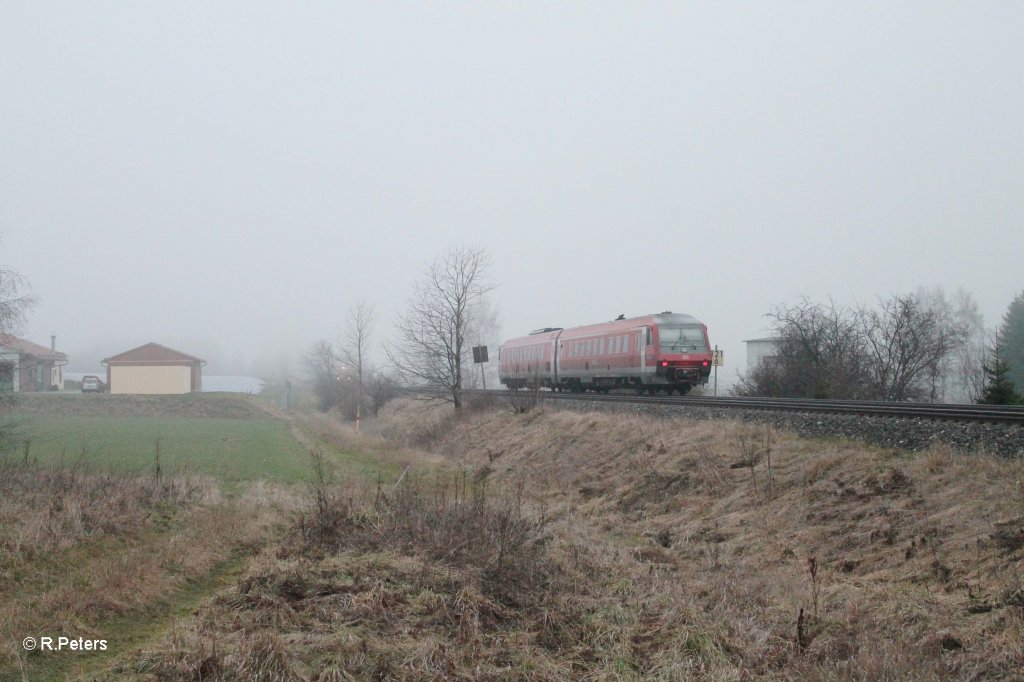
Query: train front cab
(681,355)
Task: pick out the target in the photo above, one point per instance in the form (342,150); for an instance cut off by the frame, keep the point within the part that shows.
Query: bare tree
(15,303)
(324,366)
(354,343)
(380,388)
(960,375)
(900,350)
(432,342)
(907,344)
(819,355)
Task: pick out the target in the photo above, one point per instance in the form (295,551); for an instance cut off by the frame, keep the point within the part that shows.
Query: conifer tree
(1011,342)
(999,390)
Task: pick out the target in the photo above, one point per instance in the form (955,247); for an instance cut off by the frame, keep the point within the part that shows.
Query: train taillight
(664,363)
(706,363)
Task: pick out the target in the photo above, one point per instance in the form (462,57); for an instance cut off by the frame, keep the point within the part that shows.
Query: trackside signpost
(717,359)
(479,358)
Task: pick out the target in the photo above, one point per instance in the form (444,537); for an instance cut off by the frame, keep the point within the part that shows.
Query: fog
(227,178)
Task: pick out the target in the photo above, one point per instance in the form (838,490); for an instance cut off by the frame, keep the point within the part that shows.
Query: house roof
(767,339)
(28,348)
(153,353)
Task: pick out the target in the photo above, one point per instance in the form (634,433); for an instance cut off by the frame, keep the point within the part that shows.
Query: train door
(642,340)
(647,359)
(553,368)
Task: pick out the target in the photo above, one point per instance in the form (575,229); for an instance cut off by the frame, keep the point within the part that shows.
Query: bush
(455,521)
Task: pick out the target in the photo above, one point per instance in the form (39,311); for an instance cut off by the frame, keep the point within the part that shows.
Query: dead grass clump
(264,656)
(523,401)
(44,509)
(455,520)
(710,468)
(414,423)
(937,458)
(819,466)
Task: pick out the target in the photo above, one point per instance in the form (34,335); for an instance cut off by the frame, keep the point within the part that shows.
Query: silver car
(92,384)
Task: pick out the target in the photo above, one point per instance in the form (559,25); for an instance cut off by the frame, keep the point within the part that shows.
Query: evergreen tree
(1011,342)
(999,389)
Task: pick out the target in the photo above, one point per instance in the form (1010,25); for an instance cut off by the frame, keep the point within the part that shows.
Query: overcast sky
(226,178)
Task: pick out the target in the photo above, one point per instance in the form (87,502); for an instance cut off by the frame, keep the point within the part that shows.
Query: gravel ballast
(907,434)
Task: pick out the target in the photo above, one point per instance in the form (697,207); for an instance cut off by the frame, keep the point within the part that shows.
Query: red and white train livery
(666,352)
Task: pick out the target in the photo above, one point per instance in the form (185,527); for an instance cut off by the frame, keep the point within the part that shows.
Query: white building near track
(759,350)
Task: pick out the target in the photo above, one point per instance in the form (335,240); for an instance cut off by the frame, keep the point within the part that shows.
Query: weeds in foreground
(755,445)
(43,508)
(521,401)
(454,520)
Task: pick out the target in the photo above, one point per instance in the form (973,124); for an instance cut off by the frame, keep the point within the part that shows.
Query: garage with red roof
(153,369)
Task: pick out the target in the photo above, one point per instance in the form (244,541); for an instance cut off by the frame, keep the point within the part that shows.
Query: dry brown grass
(637,549)
(78,549)
(43,509)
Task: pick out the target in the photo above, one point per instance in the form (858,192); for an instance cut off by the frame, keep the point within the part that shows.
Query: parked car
(92,384)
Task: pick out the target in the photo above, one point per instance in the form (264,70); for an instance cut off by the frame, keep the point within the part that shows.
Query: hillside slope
(591,546)
(900,561)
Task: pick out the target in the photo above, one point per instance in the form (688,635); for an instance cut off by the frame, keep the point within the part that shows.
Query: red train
(666,352)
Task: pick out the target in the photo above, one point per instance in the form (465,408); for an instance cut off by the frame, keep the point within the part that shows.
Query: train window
(616,344)
(602,346)
(648,336)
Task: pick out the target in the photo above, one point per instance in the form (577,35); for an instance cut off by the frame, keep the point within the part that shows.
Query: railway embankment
(561,543)
(914,434)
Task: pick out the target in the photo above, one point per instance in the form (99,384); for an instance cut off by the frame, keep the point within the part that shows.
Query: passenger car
(92,384)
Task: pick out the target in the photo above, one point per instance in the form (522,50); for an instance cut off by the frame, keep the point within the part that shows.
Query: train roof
(664,318)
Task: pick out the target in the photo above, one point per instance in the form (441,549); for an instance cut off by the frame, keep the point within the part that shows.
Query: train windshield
(682,339)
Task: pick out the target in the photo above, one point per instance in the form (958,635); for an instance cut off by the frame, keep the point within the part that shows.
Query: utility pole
(716,370)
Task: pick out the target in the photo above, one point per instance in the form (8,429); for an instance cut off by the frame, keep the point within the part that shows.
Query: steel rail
(1002,414)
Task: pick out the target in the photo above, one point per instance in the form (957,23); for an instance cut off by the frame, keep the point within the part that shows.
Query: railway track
(993,414)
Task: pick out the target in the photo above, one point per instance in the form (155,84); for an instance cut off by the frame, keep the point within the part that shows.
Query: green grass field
(232,450)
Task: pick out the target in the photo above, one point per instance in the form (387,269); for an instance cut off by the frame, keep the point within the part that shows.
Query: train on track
(666,353)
